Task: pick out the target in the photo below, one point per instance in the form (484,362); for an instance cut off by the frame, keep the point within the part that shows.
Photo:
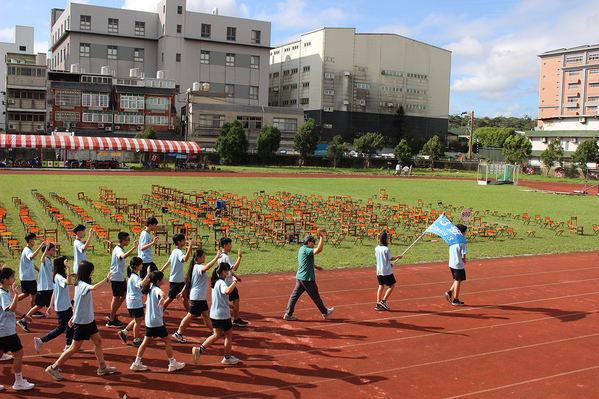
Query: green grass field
(466,193)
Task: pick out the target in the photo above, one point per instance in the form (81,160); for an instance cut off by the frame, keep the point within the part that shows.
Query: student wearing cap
(305,279)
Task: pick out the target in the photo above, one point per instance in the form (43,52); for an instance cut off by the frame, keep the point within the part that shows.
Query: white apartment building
(22,43)
(350,81)
(231,54)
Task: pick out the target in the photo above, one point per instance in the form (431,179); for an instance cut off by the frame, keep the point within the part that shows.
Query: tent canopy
(98,143)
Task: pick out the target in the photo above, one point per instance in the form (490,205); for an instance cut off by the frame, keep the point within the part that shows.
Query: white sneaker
(176,366)
(328,313)
(179,337)
(6,357)
(289,318)
(196,352)
(107,370)
(231,360)
(54,373)
(37,344)
(138,367)
(1,387)
(23,385)
(123,335)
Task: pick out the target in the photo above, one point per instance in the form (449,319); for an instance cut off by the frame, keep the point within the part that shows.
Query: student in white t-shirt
(45,284)
(9,340)
(384,272)
(135,304)
(84,325)
(196,289)
(27,271)
(220,314)
(145,250)
(119,285)
(62,304)
(177,263)
(457,262)
(79,247)
(154,323)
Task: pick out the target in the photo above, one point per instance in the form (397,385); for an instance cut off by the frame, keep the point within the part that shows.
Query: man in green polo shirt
(305,279)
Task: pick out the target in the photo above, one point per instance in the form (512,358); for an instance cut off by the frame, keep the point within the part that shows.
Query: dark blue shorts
(29,287)
(135,313)
(83,332)
(387,280)
(197,307)
(43,298)
(175,289)
(119,288)
(458,274)
(12,343)
(234,295)
(156,332)
(224,325)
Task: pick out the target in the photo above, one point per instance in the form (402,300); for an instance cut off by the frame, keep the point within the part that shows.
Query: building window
(574,99)
(593,71)
(231,33)
(304,100)
(250,122)
(112,52)
(204,57)
(328,109)
(294,86)
(211,120)
(363,86)
(307,44)
(285,124)
(286,87)
(285,102)
(293,70)
(330,59)
(253,92)
(83,49)
(132,102)
(329,92)
(329,76)
(138,54)
(94,100)
(255,36)
(206,31)
(573,59)
(307,68)
(593,85)
(156,120)
(275,74)
(86,22)
(255,62)
(286,72)
(177,89)
(113,25)
(292,102)
(591,99)
(573,86)
(179,9)
(230,89)
(593,57)
(230,59)
(22,48)
(179,28)
(327,126)
(574,73)
(362,69)
(306,84)
(140,28)
(178,57)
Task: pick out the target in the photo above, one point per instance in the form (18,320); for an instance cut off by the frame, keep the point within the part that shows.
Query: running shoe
(289,318)
(176,366)
(37,344)
(138,367)
(384,305)
(107,370)
(457,302)
(448,296)
(179,337)
(230,360)
(240,323)
(328,313)
(23,324)
(23,385)
(54,373)
(123,335)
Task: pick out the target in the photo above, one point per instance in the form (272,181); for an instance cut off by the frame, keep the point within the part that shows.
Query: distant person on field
(398,169)
(457,261)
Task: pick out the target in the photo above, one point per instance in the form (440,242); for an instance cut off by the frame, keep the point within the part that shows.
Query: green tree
(335,150)
(403,152)
(435,149)
(369,144)
(492,136)
(306,139)
(267,143)
(554,153)
(517,149)
(148,133)
(586,152)
(232,144)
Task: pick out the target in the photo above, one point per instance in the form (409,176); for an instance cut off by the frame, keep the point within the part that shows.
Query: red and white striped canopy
(98,143)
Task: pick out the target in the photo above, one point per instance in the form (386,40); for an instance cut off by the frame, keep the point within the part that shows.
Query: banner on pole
(447,231)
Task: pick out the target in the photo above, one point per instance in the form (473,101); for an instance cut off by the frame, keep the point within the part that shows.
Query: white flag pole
(418,239)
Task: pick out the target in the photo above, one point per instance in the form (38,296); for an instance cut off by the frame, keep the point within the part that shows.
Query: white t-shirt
(455,255)
(153,311)
(199,284)
(177,267)
(118,266)
(44,278)
(134,295)
(84,304)
(26,266)
(8,319)
(146,255)
(383,260)
(220,309)
(62,300)
(78,254)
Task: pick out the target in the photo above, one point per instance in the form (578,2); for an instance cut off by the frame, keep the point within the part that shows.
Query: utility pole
(470,131)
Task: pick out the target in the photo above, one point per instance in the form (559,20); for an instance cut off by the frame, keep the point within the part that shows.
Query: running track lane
(528,330)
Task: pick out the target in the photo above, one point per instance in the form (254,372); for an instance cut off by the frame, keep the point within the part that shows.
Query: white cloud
(229,8)
(79,1)
(297,14)
(141,5)
(40,47)
(7,35)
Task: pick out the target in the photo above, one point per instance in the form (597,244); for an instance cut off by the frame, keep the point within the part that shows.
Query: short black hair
(77,228)
(30,236)
(178,237)
(462,228)
(122,236)
(151,220)
(224,241)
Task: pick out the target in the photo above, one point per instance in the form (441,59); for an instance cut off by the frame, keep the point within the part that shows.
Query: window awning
(98,143)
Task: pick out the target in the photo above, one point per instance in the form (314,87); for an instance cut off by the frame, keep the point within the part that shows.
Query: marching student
(27,271)
(79,247)
(119,285)
(177,263)
(154,323)
(135,304)
(84,325)
(45,284)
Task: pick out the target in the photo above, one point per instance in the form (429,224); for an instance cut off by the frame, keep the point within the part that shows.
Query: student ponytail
(222,267)
(197,254)
(155,276)
(135,261)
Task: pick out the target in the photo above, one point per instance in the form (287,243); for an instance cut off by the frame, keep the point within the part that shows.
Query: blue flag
(447,231)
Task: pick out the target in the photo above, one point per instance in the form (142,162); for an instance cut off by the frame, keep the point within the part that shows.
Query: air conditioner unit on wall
(11,100)
(574,140)
(140,128)
(12,127)
(100,125)
(117,128)
(39,128)
(108,129)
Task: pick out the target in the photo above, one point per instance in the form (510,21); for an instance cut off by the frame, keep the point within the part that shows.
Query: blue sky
(495,44)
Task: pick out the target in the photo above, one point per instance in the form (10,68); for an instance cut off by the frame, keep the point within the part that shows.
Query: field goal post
(482,173)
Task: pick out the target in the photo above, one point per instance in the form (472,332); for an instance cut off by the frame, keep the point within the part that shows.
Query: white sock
(18,377)
(171,360)
(137,360)
(124,331)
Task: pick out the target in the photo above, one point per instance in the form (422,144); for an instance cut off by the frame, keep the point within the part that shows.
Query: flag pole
(418,239)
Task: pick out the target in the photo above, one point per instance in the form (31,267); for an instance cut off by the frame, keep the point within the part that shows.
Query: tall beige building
(353,83)
(569,88)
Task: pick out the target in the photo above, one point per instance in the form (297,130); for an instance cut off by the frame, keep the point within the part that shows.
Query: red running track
(528,330)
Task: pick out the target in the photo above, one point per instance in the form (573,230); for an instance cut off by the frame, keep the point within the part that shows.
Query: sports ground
(528,330)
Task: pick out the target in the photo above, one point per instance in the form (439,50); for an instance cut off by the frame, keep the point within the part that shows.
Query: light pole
(470,130)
